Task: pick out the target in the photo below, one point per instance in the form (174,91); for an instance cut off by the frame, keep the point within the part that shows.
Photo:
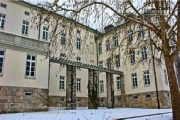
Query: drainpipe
(154,69)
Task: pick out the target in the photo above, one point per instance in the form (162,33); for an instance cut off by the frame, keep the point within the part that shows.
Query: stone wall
(56,101)
(22,99)
(141,100)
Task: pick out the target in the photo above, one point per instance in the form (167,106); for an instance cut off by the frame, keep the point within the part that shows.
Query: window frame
(101,86)
(78,43)
(78,59)
(132,57)
(30,66)
(117,57)
(45,33)
(2,21)
(134,80)
(130,35)
(62,38)
(100,48)
(116,41)
(78,84)
(146,83)
(108,61)
(144,53)
(62,57)
(61,83)
(108,47)
(25,27)
(141,32)
(118,80)
(3,62)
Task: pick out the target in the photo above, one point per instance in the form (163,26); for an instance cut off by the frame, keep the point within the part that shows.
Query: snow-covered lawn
(85,114)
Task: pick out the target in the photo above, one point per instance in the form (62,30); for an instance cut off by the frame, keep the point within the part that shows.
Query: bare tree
(157,17)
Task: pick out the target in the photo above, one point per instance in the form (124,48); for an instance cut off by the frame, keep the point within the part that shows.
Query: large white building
(30,81)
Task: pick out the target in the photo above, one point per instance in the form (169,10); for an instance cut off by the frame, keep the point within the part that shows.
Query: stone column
(70,87)
(110,90)
(123,91)
(92,90)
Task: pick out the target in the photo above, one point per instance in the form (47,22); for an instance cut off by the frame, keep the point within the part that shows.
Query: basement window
(135,97)
(119,98)
(28,94)
(148,96)
(78,100)
(61,99)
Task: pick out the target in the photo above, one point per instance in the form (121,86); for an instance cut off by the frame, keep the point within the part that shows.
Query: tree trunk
(174,90)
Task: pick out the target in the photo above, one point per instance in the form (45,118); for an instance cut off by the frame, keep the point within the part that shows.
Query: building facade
(29,81)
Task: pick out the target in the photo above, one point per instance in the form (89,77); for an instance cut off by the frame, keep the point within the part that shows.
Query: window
(130,35)
(108,63)
(132,56)
(26,13)
(61,83)
(135,97)
(63,38)
(30,66)
(2,20)
(118,83)
(117,61)
(1,61)
(25,27)
(165,76)
(45,33)
(78,44)
(78,84)
(107,45)
(116,41)
(148,96)
(141,32)
(91,48)
(100,48)
(101,63)
(134,80)
(62,56)
(146,78)
(101,83)
(144,53)
(3,5)
(61,99)
(28,94)
(78,59)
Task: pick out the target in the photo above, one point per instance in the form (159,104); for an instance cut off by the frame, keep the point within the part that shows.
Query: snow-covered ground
(85,114)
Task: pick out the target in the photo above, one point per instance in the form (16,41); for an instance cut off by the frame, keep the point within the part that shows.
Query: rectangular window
(91,48)
(101,64)
(3,5)
(78,43)
(2,20)
(107,45)
(45,33)
(144,53)
(165,76)
(117,61)
(25,27)
(146,78)
(63,38)
(132,56)
(116,41)
(28,94)
(30,66)
(118,83)
(100,48)
(78,84)
(61,83)
(62,56)
(26,13)
(135,97)
(101,83)
(78,59)
(130,35)
(1,61)
(134,80)
(141,32)
(109,63)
